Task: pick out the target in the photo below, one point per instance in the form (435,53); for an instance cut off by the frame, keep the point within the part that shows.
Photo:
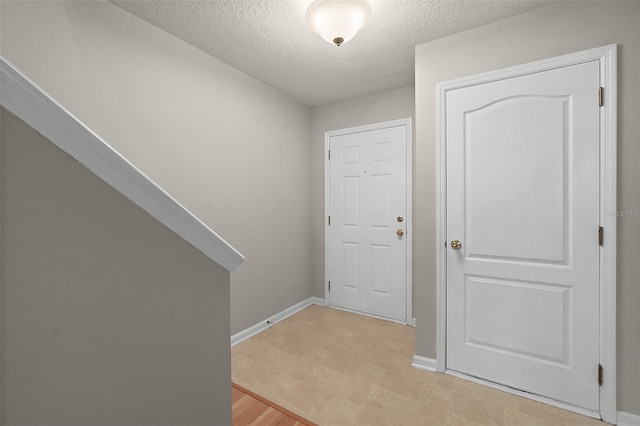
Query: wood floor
(251,409)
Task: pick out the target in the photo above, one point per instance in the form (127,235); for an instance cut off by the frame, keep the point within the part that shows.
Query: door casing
(607,57)
(406,122)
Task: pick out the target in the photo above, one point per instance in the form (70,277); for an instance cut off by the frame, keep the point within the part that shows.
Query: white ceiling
(271,41)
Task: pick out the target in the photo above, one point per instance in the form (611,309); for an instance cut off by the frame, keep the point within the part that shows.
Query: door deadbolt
(456,245)
(400,218)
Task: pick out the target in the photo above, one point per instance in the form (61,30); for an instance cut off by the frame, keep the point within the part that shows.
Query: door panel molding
(408,220)
(607,57)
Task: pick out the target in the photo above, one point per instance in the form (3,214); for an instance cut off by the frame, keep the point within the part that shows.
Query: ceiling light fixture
(337,21)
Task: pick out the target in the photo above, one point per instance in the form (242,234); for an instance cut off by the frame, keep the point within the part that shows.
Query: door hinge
(600,374)
(601,236)
(329,220)
(329,286)
(600,96)
(329,155)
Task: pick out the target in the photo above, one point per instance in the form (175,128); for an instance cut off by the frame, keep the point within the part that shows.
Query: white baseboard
(424,363)
(318,301)
(628,419)
(263,325)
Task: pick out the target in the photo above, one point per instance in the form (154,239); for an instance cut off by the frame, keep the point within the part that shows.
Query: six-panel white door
(367,258)
(523,201)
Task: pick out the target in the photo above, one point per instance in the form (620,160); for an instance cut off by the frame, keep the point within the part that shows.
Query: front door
(368,214)
(522,232)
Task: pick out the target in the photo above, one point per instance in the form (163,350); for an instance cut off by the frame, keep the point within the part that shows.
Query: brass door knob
(400,232)
(456,245)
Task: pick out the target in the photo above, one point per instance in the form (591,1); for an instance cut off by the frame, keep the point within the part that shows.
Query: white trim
(409,222)
(273,320)
(628,419)
(424,363)
(318,301)
(507,389)
(407,122)
(40,111)
(608,169)
(441,231)
(608,203)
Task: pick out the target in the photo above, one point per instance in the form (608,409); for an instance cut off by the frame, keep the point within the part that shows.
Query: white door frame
(409,209)
(607,57)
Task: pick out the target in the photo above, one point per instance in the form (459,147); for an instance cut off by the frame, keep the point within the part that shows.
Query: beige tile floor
(338,368)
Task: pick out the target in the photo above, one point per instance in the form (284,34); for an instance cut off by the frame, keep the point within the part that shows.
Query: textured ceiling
(271,41)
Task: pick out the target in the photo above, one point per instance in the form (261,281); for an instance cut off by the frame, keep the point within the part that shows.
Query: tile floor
(338,368)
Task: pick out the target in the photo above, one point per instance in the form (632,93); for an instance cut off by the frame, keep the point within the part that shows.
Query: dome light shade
(337,21)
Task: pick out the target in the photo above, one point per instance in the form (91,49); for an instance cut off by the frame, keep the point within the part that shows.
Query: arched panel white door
(522,232)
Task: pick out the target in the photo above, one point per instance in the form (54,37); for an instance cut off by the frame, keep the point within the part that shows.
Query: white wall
(385,106)
(551,31)
(229,148)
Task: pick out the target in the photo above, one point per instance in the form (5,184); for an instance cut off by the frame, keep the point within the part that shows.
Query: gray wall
(108,317)
(229,148)
(385,106)
(541,34)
